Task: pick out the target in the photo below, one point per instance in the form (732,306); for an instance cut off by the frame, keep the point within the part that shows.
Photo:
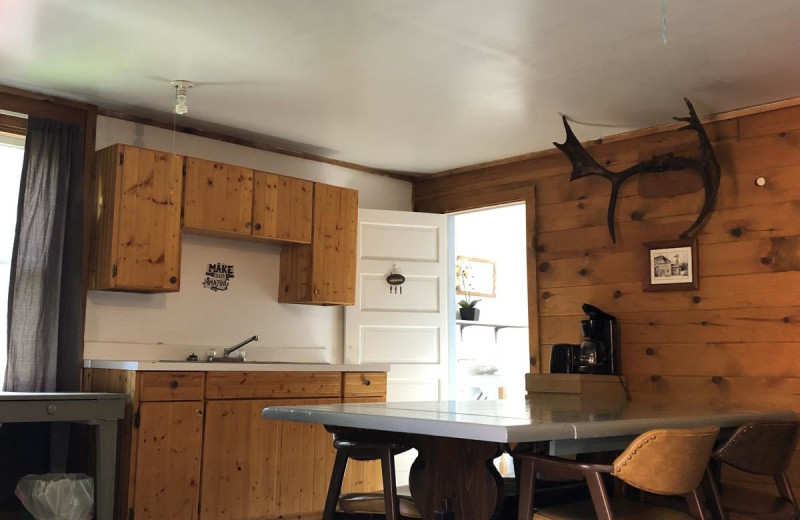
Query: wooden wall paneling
(722,292)
(534,343)
(726,225)
(740,257)
(712,359)
(764,325)
(218,198)
(169,449)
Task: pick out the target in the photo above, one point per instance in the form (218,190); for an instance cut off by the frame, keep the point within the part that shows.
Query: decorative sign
(218,277)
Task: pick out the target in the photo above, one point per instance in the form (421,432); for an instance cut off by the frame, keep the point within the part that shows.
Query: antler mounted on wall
(583,165)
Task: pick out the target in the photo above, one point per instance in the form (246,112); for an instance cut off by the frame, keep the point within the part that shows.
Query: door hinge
(137,419)
(121,158)
(130,514)
(114,271)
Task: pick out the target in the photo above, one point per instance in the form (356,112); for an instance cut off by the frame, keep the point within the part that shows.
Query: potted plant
(467,309)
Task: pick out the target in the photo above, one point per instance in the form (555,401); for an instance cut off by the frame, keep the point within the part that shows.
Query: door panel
(148,244)
(407,329)
(218,197)
(168,460)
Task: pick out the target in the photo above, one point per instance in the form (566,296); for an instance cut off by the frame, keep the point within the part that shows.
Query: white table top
(522,420)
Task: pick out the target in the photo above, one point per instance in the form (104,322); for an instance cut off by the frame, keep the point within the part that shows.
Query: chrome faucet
(227,352)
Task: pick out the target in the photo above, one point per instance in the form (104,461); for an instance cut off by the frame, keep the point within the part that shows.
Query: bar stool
(363,446)
(664,462)
(761,448)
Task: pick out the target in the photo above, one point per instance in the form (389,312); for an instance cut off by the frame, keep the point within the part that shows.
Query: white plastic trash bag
(57,496)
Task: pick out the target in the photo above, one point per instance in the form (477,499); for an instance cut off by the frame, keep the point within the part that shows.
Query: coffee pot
(597,351)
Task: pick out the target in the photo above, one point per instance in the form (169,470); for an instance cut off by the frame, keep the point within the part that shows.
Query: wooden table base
(458,472)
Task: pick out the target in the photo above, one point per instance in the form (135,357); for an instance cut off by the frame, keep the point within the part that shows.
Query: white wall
(165,326)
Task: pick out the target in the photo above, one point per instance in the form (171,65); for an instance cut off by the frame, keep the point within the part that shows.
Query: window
(12,149)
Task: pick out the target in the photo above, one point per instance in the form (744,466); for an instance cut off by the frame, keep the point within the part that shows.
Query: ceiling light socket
(182,87)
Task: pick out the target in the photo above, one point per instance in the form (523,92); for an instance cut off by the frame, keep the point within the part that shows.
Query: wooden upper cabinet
(137,244)
(324,272)
(282,208)
(218,197)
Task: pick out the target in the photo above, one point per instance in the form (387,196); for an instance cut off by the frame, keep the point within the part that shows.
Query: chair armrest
(563,469)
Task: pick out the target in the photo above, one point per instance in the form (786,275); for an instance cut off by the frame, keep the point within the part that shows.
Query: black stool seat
(367,445)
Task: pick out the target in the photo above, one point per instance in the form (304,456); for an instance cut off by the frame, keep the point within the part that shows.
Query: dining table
(457,441)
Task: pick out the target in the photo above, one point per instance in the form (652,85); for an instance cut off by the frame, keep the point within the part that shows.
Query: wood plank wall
(737,338)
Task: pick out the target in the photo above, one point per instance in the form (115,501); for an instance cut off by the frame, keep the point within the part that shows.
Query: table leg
(457,470)
(106,463)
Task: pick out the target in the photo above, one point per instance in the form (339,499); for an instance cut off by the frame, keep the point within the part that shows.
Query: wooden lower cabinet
(194,445)
(168,454)
(253,468)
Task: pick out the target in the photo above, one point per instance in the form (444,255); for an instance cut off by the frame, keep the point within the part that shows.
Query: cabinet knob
(316,291)
(367,382)
(199,412)
(258,226)
(174,384)
(173,279)
(51,409)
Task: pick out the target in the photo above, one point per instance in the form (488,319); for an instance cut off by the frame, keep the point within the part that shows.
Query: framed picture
(670,266)
(476,276)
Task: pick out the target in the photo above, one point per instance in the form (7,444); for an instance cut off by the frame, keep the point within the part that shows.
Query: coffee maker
(597,352)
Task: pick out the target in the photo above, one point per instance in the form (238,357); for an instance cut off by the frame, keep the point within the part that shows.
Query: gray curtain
(45,302)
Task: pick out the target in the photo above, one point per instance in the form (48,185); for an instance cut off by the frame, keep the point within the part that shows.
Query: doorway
(489,259)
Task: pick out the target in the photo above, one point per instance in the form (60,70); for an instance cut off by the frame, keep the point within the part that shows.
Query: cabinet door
(168,460)
(138,244)
(218,197)
(333,263)
(255,468)
(282,207)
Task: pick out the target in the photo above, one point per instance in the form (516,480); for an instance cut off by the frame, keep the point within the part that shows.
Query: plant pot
(469,313)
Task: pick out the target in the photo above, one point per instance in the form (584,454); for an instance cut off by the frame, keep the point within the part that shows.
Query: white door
(405,327)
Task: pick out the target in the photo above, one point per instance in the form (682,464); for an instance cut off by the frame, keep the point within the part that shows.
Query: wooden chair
(762,448)
(366,445)
(664,462)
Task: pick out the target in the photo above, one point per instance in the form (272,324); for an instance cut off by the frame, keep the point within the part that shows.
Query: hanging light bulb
(181,89)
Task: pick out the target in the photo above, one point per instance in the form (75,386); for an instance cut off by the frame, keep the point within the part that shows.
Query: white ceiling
(407,85)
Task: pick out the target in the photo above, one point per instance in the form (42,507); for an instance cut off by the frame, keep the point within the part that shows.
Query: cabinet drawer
(364,384)
(231,385)
(171,386)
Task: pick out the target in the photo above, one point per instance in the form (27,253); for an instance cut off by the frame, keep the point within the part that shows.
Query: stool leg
(527,487)
(390,500)
(335,486)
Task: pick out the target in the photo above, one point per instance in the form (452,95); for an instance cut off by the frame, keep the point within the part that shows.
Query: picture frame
(670,265)
(479,276)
